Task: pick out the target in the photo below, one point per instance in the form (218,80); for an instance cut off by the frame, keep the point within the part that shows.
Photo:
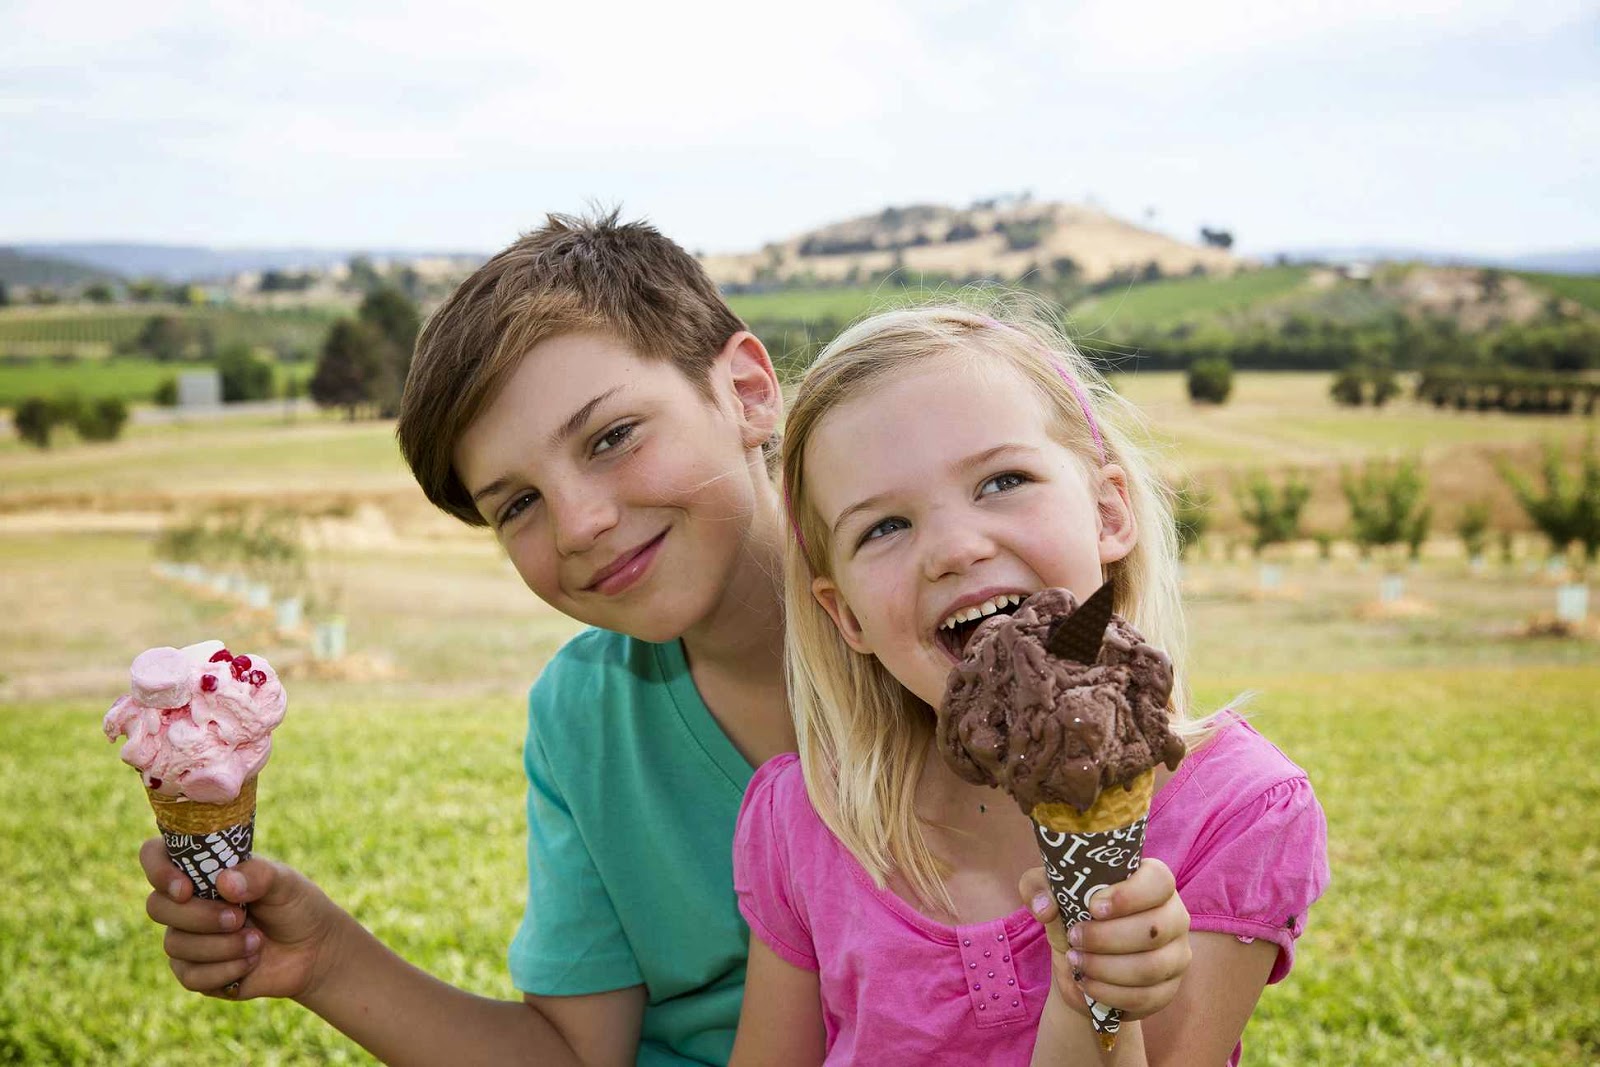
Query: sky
(1449,125)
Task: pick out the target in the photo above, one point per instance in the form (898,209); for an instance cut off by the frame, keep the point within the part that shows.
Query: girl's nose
(580,520)
(955,550)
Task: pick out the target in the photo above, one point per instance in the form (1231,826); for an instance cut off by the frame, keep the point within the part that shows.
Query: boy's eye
(613,437)
(883,529)
(1001,482)
(519,503)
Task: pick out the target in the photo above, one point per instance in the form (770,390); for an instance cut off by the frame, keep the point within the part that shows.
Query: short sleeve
(762,872)
(570,941)
(1259,871)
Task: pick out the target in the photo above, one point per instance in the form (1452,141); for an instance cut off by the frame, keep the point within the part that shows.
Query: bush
(34,418)
(166,393)
(245,376)
(1210,381)
(101,420)
(1387,505)
(1272,511)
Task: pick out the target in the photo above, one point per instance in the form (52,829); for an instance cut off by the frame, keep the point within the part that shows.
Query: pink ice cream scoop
(198,720)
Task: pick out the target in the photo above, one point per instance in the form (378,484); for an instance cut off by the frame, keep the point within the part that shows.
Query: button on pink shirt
(1238,825)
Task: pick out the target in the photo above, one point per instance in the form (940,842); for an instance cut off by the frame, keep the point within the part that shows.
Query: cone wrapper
(1085,852)
(206,839)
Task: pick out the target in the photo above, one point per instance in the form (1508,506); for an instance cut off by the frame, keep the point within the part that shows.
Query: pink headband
(1078,391)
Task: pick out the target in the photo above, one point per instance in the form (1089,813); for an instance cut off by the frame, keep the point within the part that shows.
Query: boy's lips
(626,570)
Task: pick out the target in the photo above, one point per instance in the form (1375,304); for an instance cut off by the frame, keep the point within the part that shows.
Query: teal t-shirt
(633,790)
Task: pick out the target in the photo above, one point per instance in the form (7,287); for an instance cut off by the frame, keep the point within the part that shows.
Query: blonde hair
(862,736)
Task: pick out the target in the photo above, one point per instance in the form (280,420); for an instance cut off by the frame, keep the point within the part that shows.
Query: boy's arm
(781,1020)
(297,943)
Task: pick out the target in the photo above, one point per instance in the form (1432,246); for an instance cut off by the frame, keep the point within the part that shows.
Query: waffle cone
(1114,807)
(204,840)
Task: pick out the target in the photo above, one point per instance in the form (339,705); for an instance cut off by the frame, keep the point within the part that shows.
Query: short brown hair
(571,275)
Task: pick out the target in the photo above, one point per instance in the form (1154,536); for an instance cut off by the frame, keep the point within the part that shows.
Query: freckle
(1153,934)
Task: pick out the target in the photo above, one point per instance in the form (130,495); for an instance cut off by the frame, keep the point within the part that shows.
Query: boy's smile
(947,500)
(621,493)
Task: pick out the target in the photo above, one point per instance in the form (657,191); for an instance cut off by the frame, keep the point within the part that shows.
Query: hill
(1007,238)
(196,263)
(22,268)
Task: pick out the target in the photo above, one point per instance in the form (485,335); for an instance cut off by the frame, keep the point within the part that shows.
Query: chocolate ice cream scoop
(1055,703)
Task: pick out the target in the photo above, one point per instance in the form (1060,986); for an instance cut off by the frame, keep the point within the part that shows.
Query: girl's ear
(1119,529)
(833,602)
(748,370)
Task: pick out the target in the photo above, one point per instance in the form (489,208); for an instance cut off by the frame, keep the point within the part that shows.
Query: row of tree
(1388,506)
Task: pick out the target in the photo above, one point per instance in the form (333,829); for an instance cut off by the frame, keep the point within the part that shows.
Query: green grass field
(1167,303)
(1584,288)
(125,377)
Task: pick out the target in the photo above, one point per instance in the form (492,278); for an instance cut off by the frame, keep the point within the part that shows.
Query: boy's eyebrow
(581,416)
(977,459)
(566,430)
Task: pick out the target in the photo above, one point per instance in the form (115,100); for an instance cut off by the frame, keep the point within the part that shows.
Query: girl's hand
(281,947)
(1132,955)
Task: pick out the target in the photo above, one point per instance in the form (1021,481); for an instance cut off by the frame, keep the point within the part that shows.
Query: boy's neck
(742,639)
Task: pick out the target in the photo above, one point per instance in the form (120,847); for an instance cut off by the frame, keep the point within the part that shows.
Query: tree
(34,418)
(363,275)
(1222,239)
(98,293)
(5,295)
(350,367)
(1274,512)
(1387,505)
(1567,509)
(164,338)
(1347,388)
(395,317)
(1473,528)
(101,420)
(1210,381)
(245,376)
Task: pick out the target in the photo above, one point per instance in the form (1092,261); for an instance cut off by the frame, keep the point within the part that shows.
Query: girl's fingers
(1139,971)
(212,977)
(1134,1002)
(1135,933)
(1148,887)
(211,948)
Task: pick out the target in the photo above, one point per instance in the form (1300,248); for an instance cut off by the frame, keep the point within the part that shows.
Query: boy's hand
(286,943)
(1132,955)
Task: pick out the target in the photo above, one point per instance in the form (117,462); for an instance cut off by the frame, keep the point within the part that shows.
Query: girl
(934,460)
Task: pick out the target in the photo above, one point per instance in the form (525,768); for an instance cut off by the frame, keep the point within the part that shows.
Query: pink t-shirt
(1238,825)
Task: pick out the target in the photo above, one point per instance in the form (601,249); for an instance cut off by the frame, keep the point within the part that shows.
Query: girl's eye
(520,503)
(1001,482)
(884,528)
(613,437)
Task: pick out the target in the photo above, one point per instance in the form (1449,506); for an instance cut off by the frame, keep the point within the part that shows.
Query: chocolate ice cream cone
(206,839)
(1085,852)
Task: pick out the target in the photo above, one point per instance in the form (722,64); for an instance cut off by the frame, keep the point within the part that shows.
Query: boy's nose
(580,521)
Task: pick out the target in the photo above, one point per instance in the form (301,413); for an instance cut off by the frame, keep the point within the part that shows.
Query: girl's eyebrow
(960,466)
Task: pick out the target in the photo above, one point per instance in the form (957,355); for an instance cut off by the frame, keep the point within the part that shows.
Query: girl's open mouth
(955,632)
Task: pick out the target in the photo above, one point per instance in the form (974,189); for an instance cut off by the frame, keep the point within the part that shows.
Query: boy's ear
(748,370)
(827,594)
(1119,528)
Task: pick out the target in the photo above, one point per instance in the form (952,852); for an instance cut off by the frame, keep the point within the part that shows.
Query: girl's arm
(1215,1001)
(781,1021)
(1065,1037)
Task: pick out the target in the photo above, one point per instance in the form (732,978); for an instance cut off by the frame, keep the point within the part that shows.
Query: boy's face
(621,492)
(945,491)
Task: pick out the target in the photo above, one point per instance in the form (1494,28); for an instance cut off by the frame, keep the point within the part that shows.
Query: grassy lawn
(1584,288)
(1458,928)
(128,378)
(1166,303)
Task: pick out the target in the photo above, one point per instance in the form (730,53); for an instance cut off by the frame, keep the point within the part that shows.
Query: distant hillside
(1006,239)
(1570,261)
(19,268)
(195,263)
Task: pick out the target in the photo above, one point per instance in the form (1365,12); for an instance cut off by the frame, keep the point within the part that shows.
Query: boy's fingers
(211,948)
(248,882)
(160,872)
(1149,886)
(194,916)
(211,977)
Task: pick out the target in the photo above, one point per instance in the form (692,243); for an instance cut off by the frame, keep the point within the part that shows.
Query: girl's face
(942,491)
(623,495)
